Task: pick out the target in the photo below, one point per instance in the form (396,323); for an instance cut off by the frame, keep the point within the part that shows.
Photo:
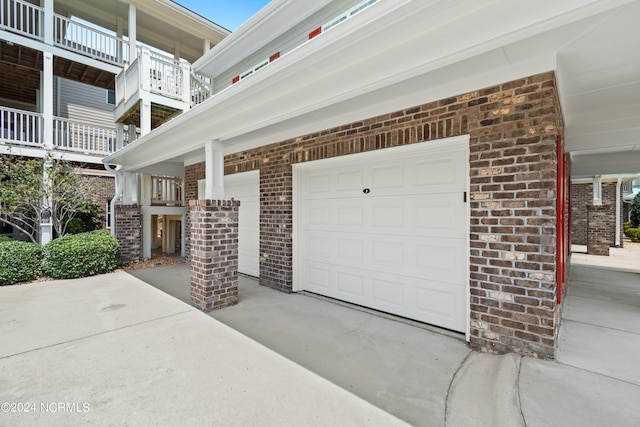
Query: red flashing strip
(315,32)
(235,80)
(561,218)
(274,57)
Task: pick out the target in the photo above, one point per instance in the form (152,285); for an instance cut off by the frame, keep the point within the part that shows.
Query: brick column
(599,226)
(214,253)
(129,232)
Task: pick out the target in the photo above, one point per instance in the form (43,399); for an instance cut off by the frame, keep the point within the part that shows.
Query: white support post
(214,170)
(145,116)
(119,136)
(185,69)
(146,235)
(133,33)
(46,92)
(597,190)
(120,34)
(47,27)
(132,133)
(206,46)
(176,51)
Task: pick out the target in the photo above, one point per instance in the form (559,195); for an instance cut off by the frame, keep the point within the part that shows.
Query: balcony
(28,20)
(19,128)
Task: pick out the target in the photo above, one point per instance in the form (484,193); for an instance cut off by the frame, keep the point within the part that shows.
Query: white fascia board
(309,78)
(276,18)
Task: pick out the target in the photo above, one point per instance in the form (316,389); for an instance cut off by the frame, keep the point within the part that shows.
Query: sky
(226,13)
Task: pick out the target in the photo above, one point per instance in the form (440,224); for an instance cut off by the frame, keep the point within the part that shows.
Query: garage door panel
(389,177)
(401,246)
(350,284)
(245,187)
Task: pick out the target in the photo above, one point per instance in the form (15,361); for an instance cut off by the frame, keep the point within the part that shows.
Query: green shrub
(19,262)
(4,238)
(626,225)
(633,234)
(80,255)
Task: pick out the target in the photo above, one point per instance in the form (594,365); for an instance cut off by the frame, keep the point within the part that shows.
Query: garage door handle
(464,197)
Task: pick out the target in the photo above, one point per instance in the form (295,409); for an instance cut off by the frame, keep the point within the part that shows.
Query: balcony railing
(200,89)
(166,191)
(91,42)
(26,19)
(83,137)
(156,73)
(24,128)
(20,127)
(22,18)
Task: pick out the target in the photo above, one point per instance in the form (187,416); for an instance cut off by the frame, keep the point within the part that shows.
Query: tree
(635,211)
(36,191)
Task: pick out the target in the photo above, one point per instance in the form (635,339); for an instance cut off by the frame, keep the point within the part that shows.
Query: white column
(133,33)
(185,69)
(597,190)
(120,34)
(146,235)
(206,46)
(214,170)
(47,29)
(176,51)
(119,136)
(145,116)
(47,99)
(132,133)
(46,91)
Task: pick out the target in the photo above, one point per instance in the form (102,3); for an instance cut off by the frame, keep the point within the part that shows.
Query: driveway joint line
(524,420)
(94,335)
(596,373)
(449,389)
(600,326)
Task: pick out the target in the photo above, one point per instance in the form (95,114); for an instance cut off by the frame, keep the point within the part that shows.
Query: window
(111,97)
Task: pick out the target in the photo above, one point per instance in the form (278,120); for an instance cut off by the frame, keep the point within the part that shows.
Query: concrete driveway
(114,350)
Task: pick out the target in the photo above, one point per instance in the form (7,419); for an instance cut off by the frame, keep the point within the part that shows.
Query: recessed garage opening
(388,230)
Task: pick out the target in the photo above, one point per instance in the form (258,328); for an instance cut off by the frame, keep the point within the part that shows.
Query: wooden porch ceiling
(20,68)
(159,115)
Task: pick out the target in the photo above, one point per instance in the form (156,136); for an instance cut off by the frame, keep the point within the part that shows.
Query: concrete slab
(607,314)
(186,369)
(402,369)
(607,351)
(172,279)
(484,392)
(42,314)
(556,395)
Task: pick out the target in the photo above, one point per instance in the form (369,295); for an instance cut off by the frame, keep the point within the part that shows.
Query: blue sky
(229,14)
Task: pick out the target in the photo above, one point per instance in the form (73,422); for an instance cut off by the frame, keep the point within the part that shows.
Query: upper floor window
(111,97)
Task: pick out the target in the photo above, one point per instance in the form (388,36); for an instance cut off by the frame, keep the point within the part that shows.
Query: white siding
(286,42)
(82,102)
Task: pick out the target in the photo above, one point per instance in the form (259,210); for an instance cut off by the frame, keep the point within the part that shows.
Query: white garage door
(246,188)
(387,230)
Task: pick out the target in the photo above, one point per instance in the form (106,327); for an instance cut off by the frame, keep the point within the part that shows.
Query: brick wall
(103,191)
(192,174)
(599,229)
(581,198)
(214,253)
(513,129)
(129,232)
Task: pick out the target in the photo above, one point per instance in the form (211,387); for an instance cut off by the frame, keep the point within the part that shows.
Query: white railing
(88,41)
(200,89)
(166,191)
(20,127)
(22,17)
(166,75)
(83,137)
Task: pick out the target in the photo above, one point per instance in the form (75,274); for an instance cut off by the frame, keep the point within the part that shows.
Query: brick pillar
(214,253)
(599,226)
(129,232)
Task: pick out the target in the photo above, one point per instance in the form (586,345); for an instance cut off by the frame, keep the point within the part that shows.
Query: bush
(4,238)
(19,262)
(633,234)
(626,225)
(635,211)
(80,255)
